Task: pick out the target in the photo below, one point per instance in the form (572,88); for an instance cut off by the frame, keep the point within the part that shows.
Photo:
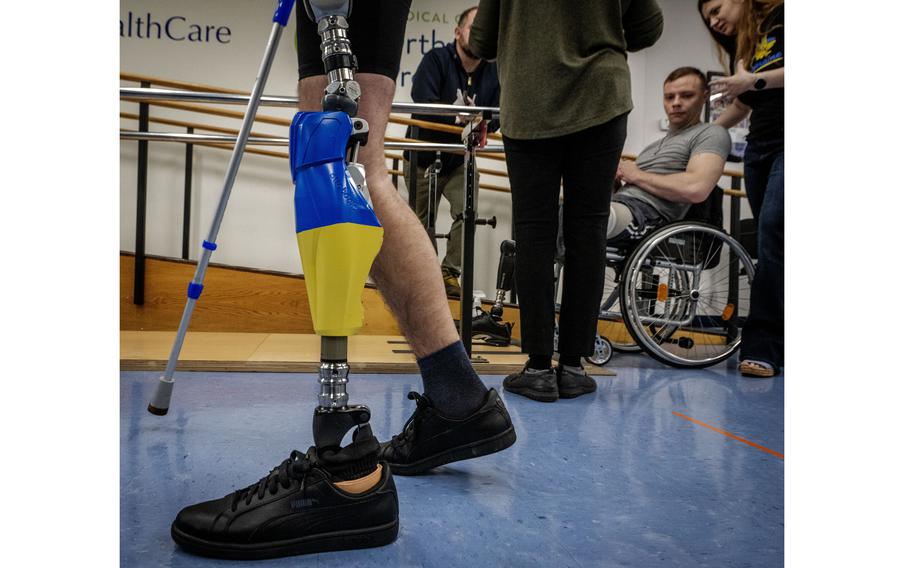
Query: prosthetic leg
(331,497)
(338,233)
(489,325)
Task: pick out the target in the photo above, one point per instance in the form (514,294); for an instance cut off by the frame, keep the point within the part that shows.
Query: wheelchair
(681,293)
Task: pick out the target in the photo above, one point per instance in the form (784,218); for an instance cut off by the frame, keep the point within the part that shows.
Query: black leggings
(376,32)
(586,163)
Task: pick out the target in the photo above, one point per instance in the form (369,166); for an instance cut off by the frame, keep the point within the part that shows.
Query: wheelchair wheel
(685,294)
(618,335)
(603,352)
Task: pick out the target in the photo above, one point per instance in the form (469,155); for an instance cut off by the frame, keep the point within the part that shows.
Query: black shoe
(573,381)
(490,330)
(295,509)
(430,439)
(534,384)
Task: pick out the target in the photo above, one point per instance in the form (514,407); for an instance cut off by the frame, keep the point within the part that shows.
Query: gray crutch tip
(157,411)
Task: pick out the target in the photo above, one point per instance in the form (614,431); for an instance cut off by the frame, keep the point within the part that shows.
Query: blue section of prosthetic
(283,12)
(194,291)
(325,193)
(209,245)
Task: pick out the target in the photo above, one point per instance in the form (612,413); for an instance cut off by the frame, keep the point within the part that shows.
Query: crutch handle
(283,12)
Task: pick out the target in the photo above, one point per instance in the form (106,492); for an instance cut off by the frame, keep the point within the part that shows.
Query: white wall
(258,228)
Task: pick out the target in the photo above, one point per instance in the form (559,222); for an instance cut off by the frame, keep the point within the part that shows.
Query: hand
(627,171)
(463,100)
(731,87)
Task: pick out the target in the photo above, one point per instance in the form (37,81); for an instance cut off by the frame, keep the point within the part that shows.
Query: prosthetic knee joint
(338,233)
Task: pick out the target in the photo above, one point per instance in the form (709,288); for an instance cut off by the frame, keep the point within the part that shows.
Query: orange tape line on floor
(734,436)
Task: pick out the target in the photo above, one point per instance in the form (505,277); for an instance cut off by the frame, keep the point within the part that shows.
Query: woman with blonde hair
(750,35)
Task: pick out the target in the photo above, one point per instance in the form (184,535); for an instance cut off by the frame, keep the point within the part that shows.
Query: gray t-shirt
(670,155)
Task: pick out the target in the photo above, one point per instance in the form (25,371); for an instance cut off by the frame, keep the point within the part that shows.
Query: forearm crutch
(161,400)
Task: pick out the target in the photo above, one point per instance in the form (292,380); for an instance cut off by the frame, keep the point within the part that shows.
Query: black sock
(450,381)
(539,362)
(570,360)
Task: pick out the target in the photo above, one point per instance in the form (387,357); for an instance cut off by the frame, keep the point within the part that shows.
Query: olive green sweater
(562,63)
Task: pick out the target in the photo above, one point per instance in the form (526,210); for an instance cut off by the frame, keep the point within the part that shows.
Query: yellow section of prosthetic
(336,261)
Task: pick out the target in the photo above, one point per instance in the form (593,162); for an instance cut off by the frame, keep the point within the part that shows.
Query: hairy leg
(406,269)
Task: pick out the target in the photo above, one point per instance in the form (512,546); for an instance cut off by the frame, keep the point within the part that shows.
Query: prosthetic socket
(338,234)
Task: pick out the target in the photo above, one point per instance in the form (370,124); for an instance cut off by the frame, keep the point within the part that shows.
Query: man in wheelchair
(679,283)
(673,173)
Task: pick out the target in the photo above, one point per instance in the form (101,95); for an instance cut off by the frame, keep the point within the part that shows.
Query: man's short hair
(463,15)
(683,71)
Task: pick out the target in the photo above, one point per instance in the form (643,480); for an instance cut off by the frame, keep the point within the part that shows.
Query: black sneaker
(430,439)
(296,509)
(535,384)
(573,381)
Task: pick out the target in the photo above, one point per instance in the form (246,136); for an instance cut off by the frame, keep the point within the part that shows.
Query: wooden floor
(288,352)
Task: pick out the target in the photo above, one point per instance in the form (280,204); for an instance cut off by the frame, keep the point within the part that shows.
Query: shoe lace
(293,468)
(410,427)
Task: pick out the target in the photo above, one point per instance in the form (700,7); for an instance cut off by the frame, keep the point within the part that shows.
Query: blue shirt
(437,80)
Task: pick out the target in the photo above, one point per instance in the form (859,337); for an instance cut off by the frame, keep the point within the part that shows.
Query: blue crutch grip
(283,12)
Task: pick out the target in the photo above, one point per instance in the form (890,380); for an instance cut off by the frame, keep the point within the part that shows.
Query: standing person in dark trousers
(751,33)
(451,74)
(566,93)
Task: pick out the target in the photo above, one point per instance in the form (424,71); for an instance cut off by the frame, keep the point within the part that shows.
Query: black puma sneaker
(539,385)
(297,509)
(430,439)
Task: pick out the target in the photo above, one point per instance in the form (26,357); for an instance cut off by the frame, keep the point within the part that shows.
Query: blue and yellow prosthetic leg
(338,236)
(338,233)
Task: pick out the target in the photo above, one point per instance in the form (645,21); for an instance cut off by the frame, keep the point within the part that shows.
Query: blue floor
(610,479)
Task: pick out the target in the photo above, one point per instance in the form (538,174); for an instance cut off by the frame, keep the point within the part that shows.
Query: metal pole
(432,189)
(141,200)
(395,165)
(734,268)
(412,173)
(278,141)
(187,196)
(467,243)
(162,397)
(434,109)
(735,229)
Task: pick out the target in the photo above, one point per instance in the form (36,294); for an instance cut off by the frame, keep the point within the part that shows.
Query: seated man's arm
(691,186)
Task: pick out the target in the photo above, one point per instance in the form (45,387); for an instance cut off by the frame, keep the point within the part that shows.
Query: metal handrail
(278,141)
(149,94)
